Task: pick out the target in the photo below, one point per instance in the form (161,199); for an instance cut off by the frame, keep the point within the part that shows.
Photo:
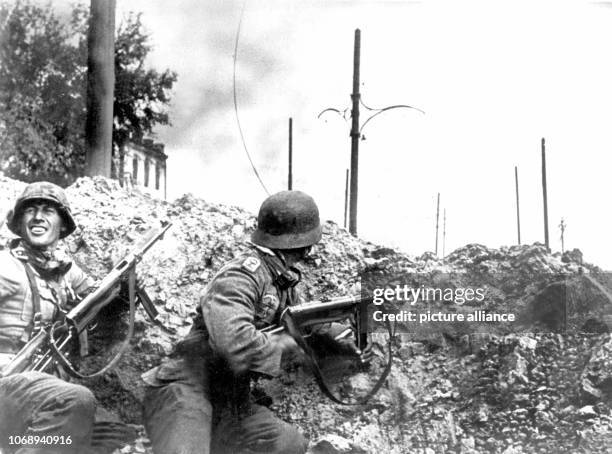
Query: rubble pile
(471,394)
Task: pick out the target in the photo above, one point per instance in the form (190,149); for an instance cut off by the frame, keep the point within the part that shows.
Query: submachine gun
(296,319)
(50,343)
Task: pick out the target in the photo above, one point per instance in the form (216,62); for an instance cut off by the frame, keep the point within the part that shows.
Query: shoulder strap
(295,332)
(34,325)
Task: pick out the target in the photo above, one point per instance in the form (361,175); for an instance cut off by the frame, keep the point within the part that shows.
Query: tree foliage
(43,71)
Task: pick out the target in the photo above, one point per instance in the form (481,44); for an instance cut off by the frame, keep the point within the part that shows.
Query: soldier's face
(41,224)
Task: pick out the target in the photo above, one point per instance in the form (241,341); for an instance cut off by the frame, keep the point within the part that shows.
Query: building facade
(143,164)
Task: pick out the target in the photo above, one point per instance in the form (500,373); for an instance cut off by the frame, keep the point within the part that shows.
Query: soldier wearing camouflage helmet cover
(37,283)
(198,400)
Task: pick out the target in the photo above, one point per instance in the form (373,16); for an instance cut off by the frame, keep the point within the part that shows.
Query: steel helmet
(287,220)
(49,192)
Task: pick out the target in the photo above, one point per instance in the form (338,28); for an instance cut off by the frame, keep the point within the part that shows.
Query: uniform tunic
(34,403)
(198,399)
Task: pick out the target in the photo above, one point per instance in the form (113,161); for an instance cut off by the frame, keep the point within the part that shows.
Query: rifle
(327,311)
(294,319)
(39,353)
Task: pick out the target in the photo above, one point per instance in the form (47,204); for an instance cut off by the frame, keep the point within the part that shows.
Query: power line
(236,103)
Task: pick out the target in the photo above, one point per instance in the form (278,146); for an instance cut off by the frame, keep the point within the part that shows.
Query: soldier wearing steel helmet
(198,401)
(37,283)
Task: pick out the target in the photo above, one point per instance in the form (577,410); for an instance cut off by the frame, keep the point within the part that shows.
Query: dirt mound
(511,394)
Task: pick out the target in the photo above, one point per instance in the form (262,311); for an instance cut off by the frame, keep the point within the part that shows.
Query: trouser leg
(40,405)
(258,432)
(178,419)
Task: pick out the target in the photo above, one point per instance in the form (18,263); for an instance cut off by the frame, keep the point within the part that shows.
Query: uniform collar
(269,252)
(48,264)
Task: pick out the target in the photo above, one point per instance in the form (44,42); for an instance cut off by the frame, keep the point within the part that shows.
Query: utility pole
(346,196)
(562,226)
(444,235)
(100,88)
(290,177)
(355,134)
(357,130)
(545,196)
(518,213)
(437,219)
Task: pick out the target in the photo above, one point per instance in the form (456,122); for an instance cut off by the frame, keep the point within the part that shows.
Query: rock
(575,255)
(512,392)
(587,412)
(528,343)
(411,349)
(518,365)
(589,393)
(334,444)
(597,374)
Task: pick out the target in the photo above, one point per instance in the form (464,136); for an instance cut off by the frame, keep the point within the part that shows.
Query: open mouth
(38,230)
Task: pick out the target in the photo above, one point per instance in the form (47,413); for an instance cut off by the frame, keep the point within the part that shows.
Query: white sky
(493,77)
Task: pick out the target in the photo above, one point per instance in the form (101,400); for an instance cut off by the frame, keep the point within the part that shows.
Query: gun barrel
(307,309)
(87,310)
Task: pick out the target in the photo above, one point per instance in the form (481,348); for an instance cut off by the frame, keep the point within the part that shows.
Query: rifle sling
(61,358)
(295,332)
(35,301)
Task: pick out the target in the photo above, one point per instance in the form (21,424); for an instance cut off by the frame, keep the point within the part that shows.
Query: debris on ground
(547,388)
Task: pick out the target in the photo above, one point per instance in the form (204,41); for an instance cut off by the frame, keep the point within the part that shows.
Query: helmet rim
(288,220)
(47,192)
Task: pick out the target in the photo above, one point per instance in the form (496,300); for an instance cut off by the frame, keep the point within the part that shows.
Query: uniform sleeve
(228,307)
(79,280)
(10,278)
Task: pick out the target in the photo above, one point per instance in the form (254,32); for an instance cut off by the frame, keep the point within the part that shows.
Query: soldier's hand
(291,350)
(286,343)
(347,345)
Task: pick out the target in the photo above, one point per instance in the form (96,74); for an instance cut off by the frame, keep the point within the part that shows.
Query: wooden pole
(355,135)
(562,226)
(100,88)
(518,213)
(444,235)
(437,219)
(346,196)
(544,193)
(290,176)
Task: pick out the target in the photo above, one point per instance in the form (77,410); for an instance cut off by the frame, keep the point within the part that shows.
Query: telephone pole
(444,235)
(545,196)
(100,88)
(562,226)
(355,134)
(518,213)
(437,219)
(357,130)
(346,196)
(290,176)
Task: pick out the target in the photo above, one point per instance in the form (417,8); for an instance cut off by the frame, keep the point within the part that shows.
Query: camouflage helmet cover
(46,191)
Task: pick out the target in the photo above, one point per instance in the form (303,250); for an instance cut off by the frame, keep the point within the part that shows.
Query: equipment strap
(296,333)
(61,358)
(35,324)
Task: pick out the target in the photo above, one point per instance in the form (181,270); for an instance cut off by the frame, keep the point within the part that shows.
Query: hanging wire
(236,103)
(378,111)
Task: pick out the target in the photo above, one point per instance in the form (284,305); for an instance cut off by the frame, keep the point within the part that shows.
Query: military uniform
(198,401)
(35,285)
(36,403)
